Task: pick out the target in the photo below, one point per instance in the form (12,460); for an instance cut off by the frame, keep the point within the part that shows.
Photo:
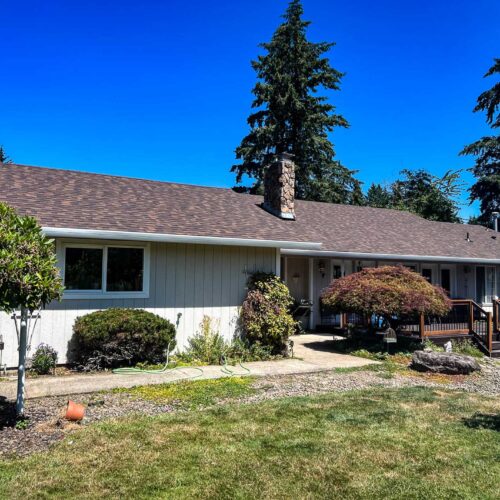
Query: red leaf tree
(389,292)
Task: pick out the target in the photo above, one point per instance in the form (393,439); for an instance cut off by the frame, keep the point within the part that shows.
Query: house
(182,249)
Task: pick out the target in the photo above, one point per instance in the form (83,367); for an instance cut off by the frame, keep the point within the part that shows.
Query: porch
(476,318)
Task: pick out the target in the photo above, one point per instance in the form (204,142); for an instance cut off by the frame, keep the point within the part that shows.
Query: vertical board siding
(193,280)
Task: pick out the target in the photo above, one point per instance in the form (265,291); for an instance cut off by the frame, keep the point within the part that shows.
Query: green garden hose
(226,370)
(131,370)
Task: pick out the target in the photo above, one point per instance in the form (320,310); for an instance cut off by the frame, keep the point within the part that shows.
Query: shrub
(119,337)
(265,315)
(465,346)
(44,359)
(207,346)
(389,292)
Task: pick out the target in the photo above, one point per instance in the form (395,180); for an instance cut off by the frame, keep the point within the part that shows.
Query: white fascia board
(63,232)
(386,256)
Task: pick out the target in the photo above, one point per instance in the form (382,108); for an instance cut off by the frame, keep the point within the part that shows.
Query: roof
(81,200)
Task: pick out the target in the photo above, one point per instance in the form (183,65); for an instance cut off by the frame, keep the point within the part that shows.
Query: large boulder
(444,362)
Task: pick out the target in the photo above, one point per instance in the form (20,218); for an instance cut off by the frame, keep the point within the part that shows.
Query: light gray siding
(193,280)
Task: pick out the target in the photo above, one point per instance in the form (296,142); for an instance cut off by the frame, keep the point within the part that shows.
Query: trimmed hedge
(121,337)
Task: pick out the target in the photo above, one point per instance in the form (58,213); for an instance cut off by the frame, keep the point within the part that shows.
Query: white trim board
(64,232)
(386,256)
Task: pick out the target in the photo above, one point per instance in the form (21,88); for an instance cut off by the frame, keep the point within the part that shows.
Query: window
(446,280)
(108,270)
(485,284)
(427,274)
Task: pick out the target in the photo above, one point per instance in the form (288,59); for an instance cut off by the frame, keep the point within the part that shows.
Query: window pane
(480,284)
(125,269)
(490,284)
(446,280)
(427,274)
(83,269)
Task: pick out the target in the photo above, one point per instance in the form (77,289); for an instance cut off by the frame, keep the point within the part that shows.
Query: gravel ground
(45,424)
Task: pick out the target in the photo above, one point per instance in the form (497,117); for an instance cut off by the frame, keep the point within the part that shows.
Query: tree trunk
(21,370)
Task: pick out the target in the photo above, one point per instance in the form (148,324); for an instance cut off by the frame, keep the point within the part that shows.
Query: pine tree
(3,156)
(486,189)
(291,117)
(379,196)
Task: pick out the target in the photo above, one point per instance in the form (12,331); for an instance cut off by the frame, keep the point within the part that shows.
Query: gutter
(387,256)
(63,232)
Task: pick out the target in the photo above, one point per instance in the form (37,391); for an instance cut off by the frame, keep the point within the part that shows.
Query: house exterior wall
(462,277)
(194,280)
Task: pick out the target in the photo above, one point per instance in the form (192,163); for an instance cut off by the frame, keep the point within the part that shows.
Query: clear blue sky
(161,89)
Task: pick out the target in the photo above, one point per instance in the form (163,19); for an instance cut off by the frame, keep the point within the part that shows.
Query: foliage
(28,274)
(420,192)
(291,117)
(388,291)
(194,393)
(209,347)
(44,359)
(3,156)
(486,189)
(121,337)
(465,346)
(265,315)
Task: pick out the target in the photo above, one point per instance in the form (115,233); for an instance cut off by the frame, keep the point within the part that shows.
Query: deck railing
(496,315)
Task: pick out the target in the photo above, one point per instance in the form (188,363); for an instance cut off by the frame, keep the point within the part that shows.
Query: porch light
(322,268)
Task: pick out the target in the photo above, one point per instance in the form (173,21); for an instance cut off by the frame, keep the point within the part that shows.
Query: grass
(192,394)
(378,444)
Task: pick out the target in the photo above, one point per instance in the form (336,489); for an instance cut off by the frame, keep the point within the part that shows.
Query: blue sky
(161,89)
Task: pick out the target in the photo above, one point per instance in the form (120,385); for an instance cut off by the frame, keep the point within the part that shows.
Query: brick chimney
(279,187)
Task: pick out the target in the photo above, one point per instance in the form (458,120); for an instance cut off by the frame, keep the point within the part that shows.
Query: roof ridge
(113,176)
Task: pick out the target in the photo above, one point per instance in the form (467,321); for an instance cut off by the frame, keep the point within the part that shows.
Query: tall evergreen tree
(420,192)
(291,117)
(379,196)
(3,156)
(486,189)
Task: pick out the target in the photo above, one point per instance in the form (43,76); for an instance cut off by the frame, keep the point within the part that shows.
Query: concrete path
(314,349)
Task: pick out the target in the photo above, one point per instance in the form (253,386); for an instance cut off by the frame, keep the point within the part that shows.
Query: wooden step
(495,354)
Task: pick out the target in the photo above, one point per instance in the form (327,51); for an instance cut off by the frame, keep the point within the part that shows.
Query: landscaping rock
(444,362)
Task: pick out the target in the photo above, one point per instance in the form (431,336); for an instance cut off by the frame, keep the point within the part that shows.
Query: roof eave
(386,256)
(63,232)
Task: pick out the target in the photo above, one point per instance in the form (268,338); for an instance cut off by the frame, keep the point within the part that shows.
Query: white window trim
(485,304)
(103,294)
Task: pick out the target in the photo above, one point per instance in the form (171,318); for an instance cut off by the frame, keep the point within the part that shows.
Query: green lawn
(378,443)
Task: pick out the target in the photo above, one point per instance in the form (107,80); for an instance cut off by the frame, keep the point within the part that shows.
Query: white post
(21,371)
(311,293)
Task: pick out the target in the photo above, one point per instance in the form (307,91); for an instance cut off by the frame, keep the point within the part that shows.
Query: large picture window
(107,270)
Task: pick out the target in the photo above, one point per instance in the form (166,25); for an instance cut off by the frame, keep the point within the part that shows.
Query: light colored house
(174,248)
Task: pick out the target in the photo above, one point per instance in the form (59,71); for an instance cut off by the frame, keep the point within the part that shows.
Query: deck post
(489,323)
(421,326)
(471,317)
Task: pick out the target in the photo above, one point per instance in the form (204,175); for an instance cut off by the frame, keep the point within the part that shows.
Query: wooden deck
(466,319)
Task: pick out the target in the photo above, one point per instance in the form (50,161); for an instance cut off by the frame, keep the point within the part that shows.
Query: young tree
(486,189)
(29,279)
(3,156)
(388,292)
(291,117)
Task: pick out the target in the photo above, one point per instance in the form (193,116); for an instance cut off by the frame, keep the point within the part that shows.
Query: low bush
(465,346)
(44,359)
(265,314)
(208,347)
(121,337)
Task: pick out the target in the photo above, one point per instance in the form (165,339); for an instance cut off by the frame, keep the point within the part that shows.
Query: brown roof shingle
(73,199)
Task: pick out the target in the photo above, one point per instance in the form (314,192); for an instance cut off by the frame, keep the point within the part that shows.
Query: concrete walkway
(314,349)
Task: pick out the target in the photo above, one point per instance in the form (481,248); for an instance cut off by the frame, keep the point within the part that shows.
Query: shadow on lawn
(7,413)
(483,421)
